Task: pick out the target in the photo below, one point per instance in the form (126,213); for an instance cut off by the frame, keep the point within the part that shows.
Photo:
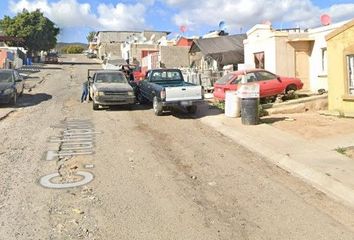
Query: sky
(76,18)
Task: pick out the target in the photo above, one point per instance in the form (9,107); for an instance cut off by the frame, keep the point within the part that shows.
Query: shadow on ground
(272,120)
(28,100)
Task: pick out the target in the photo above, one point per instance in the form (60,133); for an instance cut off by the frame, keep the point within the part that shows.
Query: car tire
(94,106)
(157,107)
(192,109)
(290,88)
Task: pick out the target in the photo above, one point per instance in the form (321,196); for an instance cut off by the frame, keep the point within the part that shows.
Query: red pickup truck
(270,84)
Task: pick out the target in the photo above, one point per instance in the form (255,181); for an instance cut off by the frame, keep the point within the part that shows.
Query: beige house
(341,70)
(291,52)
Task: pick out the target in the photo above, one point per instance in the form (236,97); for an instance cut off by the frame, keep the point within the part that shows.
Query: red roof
(184,42)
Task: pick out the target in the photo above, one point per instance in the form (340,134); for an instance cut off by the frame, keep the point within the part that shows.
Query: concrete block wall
(174,56)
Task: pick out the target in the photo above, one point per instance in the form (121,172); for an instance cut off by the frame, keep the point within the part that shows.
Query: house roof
(340,30)
(225,49)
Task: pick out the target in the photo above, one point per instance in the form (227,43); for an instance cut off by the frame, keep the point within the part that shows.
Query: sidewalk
(316,161)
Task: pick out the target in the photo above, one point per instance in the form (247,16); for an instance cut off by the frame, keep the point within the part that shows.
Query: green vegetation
(90,36)
(341,150)
(72,49)
(219,105)
(39,33)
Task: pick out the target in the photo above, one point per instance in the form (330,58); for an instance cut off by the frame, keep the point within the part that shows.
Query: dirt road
(167,177)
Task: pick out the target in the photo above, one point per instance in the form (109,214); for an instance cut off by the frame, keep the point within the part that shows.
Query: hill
(61,45)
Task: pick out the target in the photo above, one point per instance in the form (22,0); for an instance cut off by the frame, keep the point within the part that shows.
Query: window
(259,60)
(350,66)
(263,76)
(324,60)
(251,77)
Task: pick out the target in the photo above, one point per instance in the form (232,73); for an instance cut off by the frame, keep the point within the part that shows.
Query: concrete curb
(296,101)
(332,187)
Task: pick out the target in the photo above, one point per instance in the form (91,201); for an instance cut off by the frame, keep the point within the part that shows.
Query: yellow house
(340,48)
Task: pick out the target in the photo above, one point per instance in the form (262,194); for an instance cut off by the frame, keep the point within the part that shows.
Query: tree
(72,49)
(39,33)
(90,36)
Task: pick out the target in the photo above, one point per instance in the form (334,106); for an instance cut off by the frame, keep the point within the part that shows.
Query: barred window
(350,67)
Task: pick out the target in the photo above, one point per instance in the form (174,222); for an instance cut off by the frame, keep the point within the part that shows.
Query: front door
(302,67)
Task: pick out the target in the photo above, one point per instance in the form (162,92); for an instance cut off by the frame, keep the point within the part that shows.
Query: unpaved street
(167,177)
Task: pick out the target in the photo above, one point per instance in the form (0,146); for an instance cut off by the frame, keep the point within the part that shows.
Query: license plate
(186,103)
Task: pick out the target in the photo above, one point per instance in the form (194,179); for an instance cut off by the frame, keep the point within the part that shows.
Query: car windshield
(111,77)
(5,77)
(225,79)
(166,76)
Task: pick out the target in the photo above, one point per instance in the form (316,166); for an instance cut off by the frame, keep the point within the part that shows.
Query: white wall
(318,75)
(260,39)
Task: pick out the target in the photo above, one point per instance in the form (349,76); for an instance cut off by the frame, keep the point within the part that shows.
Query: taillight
(163,94)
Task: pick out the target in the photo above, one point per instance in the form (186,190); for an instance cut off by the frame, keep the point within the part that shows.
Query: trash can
(249,94)
(232,104)
(249,111)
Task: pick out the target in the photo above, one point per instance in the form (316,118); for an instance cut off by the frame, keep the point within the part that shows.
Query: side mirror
(278,78)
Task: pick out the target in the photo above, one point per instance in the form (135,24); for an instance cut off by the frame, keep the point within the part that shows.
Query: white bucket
(232,104)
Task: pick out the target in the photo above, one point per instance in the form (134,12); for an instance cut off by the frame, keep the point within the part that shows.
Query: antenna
(325,20)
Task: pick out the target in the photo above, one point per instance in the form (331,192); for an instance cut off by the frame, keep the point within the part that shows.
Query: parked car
(91,55)
(270,83)
(109,87)
(166,88)
(11,86)
(51,58)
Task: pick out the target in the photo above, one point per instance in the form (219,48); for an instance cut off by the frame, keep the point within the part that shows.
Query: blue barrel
(249,111)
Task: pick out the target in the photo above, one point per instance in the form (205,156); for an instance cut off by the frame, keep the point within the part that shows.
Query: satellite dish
(222,26)
(267,22)
(326,20)
(182,29)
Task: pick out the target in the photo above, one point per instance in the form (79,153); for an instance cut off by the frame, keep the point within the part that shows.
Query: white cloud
(71,13)
(122,16)
(194,14)
(245,13)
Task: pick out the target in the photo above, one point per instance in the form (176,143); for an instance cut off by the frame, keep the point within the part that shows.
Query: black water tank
(249,111)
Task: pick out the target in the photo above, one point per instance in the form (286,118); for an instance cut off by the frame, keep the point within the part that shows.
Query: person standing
(84,91)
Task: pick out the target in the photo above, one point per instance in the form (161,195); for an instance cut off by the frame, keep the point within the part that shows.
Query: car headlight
(130,93)
(8,91)
(100,94)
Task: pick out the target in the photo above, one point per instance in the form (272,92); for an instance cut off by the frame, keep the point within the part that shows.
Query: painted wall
(338,47)
(3,56)
(136,50)
(260,39)
(319,73)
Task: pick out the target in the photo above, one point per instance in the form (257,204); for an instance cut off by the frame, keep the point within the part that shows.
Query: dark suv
(11,86)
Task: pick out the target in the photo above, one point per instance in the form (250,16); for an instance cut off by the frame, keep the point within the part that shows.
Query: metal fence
(203,78)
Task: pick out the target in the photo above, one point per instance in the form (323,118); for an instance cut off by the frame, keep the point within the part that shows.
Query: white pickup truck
(166,88)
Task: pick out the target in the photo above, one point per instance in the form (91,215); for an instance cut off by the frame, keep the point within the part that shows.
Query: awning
(225,49)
